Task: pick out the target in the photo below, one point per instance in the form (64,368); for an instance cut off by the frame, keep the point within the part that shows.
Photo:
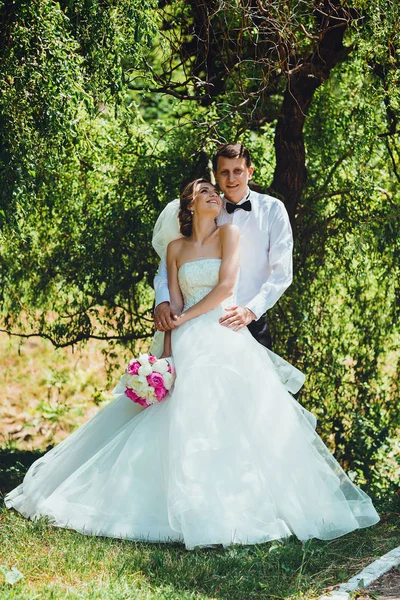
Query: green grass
(60,563)
(45,395)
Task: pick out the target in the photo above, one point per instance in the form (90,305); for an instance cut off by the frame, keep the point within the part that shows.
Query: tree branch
(79,338)
(320,193)
(167,90)
(393,160)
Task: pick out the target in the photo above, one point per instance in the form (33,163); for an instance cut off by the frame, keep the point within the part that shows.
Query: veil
(166,229)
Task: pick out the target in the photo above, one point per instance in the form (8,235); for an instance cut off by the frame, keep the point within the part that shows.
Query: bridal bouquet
(148,379)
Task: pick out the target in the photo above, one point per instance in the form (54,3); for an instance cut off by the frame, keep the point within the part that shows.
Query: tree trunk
(290,171)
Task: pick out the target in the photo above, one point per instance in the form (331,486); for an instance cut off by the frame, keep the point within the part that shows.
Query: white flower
(151,397)
(124,379)
(129,380)
(139,385)
(143,359)
(145,370)
(161,366)
(145,389)
(168,380)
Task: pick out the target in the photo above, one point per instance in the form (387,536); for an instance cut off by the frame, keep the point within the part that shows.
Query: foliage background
(101,120)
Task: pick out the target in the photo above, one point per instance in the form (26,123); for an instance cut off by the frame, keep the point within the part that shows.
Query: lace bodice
(197,278)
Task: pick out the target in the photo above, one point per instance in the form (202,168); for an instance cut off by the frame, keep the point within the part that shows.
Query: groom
(266,245)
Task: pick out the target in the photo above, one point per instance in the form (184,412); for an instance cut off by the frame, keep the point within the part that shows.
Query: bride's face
(206,200)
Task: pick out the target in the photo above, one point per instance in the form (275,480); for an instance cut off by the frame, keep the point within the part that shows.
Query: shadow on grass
(275,570)
(14,464)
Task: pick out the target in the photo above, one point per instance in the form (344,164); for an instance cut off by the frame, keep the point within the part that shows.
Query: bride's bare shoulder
(228,230)
(175,246)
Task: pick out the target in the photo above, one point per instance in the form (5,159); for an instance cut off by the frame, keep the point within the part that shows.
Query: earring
(192,211)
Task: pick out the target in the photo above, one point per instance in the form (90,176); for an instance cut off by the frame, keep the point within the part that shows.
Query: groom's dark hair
(231,151)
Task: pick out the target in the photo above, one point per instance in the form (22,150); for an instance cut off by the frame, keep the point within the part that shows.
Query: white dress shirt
(266,245)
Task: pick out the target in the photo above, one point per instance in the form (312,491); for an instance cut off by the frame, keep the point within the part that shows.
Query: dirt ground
(386,587)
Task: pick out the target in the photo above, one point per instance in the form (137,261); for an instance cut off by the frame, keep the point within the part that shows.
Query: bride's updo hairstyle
(185,216)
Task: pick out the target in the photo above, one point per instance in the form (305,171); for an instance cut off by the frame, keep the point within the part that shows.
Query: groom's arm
(164,316)
(280,257)
(280,263)
(161,284)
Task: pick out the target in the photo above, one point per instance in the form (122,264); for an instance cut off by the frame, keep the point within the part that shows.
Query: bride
(228,457)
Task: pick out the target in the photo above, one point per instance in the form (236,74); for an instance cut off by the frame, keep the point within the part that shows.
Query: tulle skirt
(228,457)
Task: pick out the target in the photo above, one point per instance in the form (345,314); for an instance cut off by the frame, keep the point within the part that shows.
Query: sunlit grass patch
(47,393)
(60,563)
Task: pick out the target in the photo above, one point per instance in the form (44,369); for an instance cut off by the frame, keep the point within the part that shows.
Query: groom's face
(232,176)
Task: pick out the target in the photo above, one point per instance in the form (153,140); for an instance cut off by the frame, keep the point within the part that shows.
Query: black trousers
(260,331)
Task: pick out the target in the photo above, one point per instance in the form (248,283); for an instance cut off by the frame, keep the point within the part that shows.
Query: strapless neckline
(197,278)
(197,260)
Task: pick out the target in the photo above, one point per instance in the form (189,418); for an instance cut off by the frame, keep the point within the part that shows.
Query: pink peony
(152,359)
(160,392)
(155,380)
(133,367)
(134,397)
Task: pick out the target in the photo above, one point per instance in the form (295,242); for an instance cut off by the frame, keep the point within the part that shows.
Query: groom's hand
(237,317)
(165,318)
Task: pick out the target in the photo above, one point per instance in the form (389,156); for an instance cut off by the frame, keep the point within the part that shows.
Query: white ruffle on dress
(228,457)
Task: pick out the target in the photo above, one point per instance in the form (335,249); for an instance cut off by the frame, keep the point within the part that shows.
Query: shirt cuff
(257,306)
(162,296)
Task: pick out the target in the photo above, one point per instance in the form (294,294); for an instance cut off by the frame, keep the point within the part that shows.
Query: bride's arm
(229,238)
(176,300)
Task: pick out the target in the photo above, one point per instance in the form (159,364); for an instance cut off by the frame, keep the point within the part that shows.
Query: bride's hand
(180,320)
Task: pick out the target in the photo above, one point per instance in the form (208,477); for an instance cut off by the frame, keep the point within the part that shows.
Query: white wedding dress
(228,457)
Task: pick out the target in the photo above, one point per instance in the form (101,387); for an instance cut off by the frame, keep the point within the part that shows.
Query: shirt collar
(246,197)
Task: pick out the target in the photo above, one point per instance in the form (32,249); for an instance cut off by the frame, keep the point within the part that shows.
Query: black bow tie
(231,207)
